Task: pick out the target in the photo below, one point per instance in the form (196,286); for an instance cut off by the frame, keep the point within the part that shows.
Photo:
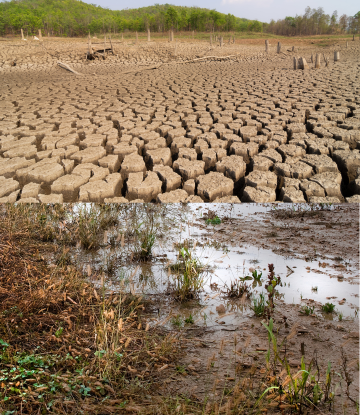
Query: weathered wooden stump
(22,35)
(278,47)
(312,58)
(148,35)
(266,46)
(303,64)
(317,60)
(293,49)
(336,56)
(295,61)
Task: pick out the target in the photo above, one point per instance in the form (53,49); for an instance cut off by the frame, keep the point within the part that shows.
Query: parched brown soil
(155,121)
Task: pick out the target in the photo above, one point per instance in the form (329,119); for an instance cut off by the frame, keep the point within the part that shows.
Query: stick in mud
(278,47)
(67,67)
(317,60)
(267,46)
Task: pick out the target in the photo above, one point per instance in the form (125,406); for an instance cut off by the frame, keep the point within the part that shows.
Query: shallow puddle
(304,280)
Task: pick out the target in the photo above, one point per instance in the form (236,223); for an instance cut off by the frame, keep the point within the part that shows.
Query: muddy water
(305,280)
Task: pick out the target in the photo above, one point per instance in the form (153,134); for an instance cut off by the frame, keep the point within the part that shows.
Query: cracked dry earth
(246,128)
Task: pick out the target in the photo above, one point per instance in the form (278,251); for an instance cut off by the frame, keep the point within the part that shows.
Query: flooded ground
(223,349)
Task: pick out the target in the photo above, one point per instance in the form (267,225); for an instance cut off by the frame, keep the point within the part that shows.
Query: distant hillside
(76,18)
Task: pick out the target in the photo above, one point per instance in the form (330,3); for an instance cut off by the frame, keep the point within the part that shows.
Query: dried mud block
(291,195)
(200,146)
(296,128)
(68,165)
(258,195)
(189,186)
(189,169)
(9,167)
(261,179)
(110,162)
(260,163)
(170,179)
(194,199)
(155,144)
(272,155)
(12,144)
(132,163)
(89,155)
(175,196)
(123,149)
(96,191)
(315,199)
(71,140)
(311,189)
(290,152)
(213,185)
(180,142)
(353,199)
(330,182)
(69,186)
(30,190)
(232,166)
(227,199)
(210,158)
(28,200)
(160,156)
(297,170)
(8,186)
(40,172)
(28,152)
(245,150)
(320,163)
(146,188)
(347,161)
(52,198)
(115,200)
(12,198)
(187,153)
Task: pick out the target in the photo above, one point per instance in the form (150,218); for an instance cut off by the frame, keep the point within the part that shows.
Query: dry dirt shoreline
(144,125)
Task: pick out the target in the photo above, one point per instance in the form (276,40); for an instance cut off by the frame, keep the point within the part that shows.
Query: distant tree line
(76,18)
(315,22)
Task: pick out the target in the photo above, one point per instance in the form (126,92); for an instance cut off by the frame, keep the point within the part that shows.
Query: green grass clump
(259,305)
(213,221)
(189,280)
(307,310)
(328,307)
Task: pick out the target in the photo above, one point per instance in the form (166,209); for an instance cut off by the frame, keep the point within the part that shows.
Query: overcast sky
(263,10)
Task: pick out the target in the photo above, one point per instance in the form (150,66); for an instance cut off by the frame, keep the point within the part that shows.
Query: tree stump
(278,47)
(303,64)
(266,46)
(336,56)
(293,49)
(148,33)
(295,61)
(317,60)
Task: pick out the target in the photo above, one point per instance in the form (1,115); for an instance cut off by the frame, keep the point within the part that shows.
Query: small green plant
(340,316)
(328,307)
(58,332)
(307,310)
(189,320)
(188,280)
(213,221)
(181,369)
(177,321)
(256,276)
(259,305)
